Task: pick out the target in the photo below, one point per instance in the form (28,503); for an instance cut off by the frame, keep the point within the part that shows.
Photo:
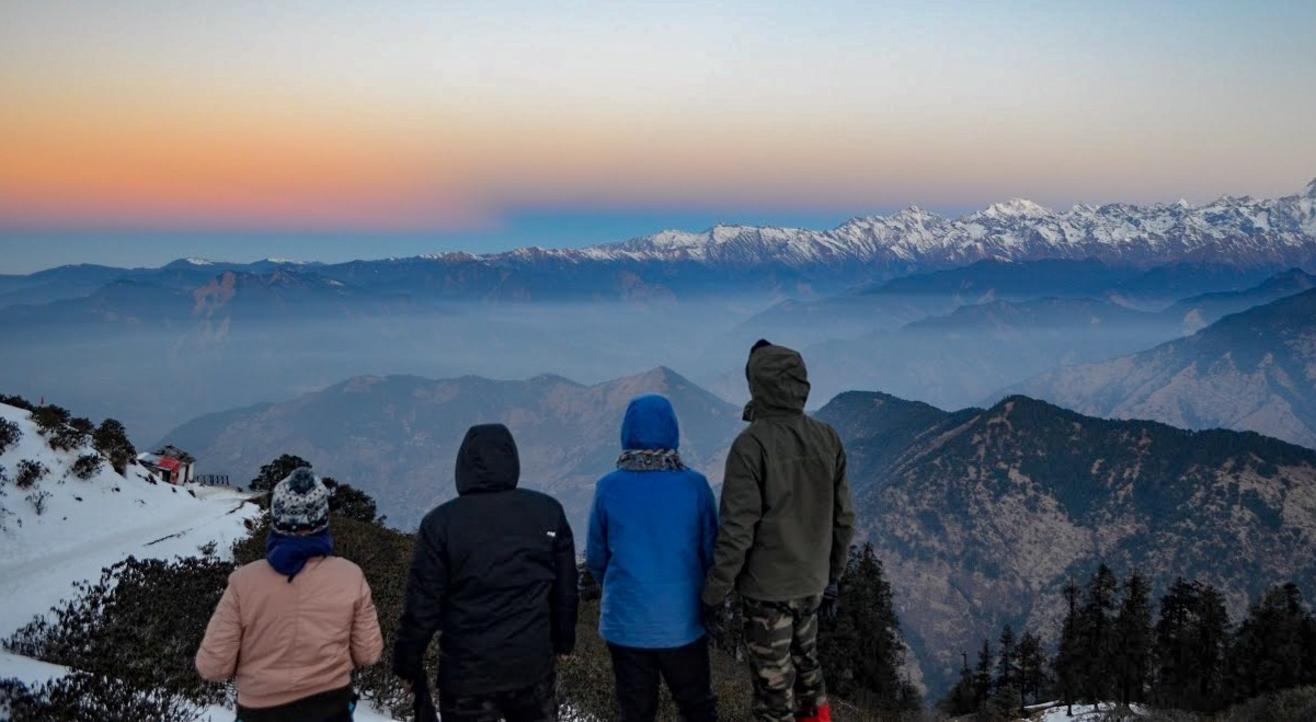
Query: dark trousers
(685,669)
(532,704)
(332,706)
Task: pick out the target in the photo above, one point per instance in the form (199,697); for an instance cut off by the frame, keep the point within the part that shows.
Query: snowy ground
(87,525)
(33,672)
(1057,712)
(90,524)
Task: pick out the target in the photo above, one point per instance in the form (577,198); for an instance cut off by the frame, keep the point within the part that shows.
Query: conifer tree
(1032,669)
(1133,641)
(1067,664)
(1212,636)
(982,675)
(1006,671)
(863,647)
(1097,637)
(1273,647)
(1189,647)
(962,698)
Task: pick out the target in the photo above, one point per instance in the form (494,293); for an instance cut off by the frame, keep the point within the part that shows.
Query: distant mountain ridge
(1242,232)
(959,358)
(1250,370)
(1199,311)
(952,338)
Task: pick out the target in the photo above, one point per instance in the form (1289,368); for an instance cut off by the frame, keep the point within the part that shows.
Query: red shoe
(822,714)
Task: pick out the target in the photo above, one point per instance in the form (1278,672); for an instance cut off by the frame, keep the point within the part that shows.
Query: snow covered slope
(89,524)
(33,672)
(84,525)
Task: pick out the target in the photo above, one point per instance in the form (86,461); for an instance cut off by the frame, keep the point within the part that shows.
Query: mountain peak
(659,377)
(190,262)
(1017,208)
(1311,189)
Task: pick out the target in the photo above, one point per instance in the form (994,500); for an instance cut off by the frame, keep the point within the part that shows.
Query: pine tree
(863,648)
(982,675)
(1190,640)
(1067,664)
(1007,676)
(1097,638)
(1212,643)
(1032,669)
(962,698)
(1133,641)
(1272,650)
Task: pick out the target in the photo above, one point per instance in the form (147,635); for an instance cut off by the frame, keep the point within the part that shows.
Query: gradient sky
(136,132)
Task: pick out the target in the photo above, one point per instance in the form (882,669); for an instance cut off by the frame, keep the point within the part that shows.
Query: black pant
(685,669)
(332,706)
(532,704)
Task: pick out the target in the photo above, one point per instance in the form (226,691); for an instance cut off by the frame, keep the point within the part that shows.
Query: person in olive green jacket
(786,521)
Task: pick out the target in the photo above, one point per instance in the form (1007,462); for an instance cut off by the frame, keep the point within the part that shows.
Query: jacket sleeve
(707,524)
(842,516)
(742,508)
(367,642)
(217,659)
(422,610)
(597,554)
(564,596)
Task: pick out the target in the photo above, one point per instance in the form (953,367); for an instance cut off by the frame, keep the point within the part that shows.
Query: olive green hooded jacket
(786,516)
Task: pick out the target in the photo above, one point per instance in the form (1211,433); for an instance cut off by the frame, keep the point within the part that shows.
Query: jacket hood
(650,423)
(487,460)
(778,381)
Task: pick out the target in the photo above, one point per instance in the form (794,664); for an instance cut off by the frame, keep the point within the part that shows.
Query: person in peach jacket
(291,627)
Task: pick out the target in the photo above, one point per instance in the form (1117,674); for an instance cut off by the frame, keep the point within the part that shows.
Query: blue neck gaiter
(289,554)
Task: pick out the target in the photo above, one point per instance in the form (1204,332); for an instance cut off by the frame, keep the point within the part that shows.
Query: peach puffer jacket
(287,639)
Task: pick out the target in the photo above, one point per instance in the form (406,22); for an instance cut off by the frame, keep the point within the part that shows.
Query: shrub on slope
(140,624)
(9,434)
(83,697)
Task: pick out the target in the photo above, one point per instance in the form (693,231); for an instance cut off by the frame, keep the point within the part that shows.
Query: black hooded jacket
(494,573)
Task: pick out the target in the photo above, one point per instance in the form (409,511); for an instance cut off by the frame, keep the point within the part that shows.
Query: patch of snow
(1058,712)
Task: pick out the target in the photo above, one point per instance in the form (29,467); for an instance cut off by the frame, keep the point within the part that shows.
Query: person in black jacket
(495,574)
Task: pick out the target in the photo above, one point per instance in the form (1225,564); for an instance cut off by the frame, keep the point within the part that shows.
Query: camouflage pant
(782,639)
(533,704)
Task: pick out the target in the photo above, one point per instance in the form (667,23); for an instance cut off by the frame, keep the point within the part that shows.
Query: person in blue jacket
(652,531)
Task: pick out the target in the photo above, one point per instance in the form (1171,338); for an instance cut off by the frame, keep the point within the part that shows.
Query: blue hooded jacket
(651,539)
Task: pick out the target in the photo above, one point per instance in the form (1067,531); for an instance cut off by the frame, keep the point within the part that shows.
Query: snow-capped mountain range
(1235,230)
(1239,232)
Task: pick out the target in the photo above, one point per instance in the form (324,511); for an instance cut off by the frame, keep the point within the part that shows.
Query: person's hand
(830,607)
(563,658)
(408,686)
(714,618)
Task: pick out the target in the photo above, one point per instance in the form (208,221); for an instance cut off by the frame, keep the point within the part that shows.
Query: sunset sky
(136,132)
